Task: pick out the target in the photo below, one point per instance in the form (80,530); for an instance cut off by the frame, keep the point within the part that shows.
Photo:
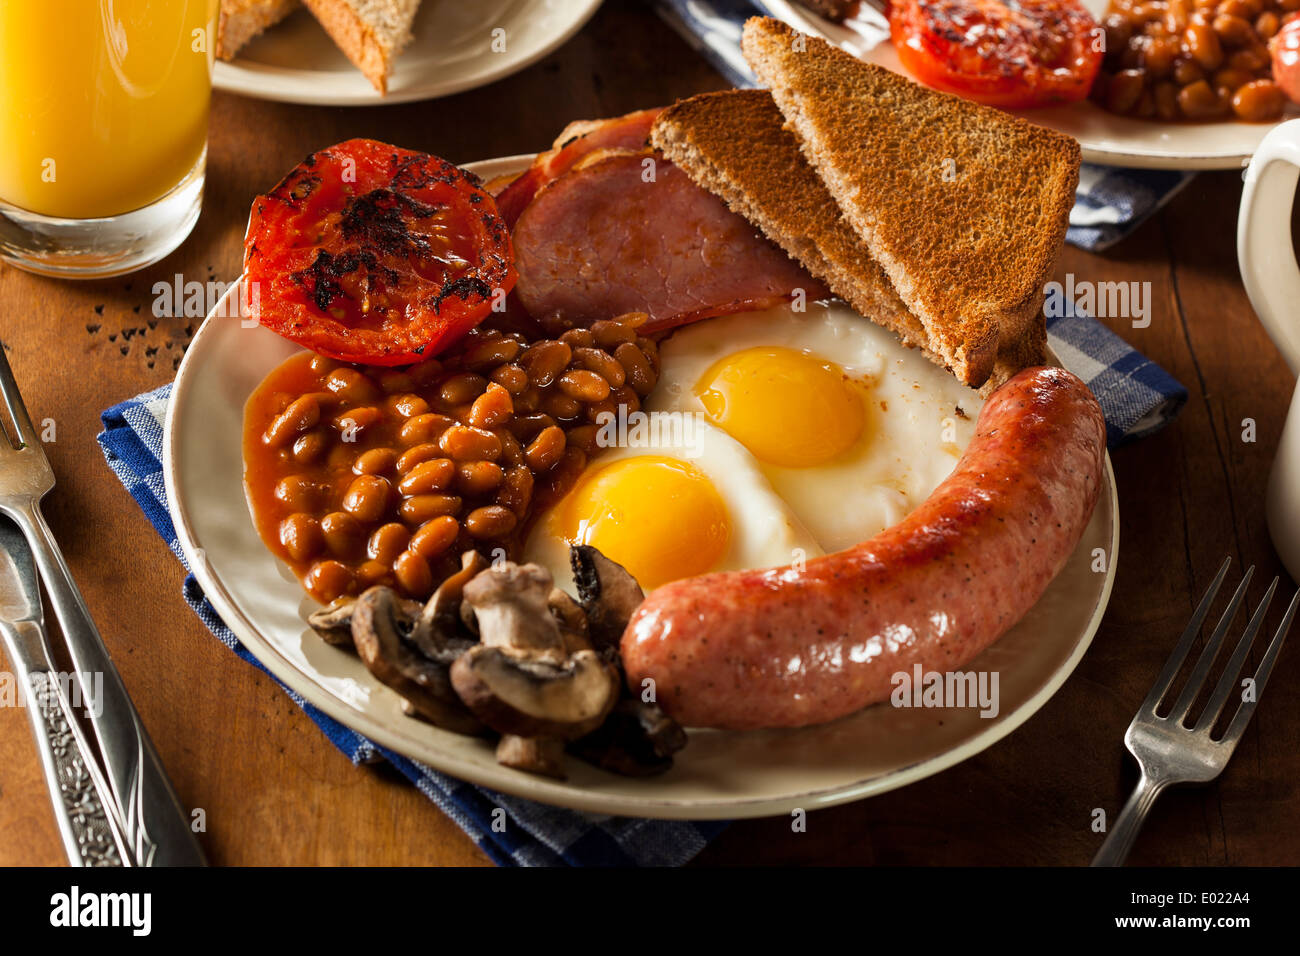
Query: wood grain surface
(275,791)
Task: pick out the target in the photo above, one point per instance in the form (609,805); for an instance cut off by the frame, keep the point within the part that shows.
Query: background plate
(721,774)
(1103,137)
(296,61)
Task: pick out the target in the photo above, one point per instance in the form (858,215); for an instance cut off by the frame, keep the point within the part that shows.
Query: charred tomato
(370,253)
(1014,54)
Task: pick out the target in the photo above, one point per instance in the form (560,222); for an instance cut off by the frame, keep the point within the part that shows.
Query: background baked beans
(1192,59)
(360,476)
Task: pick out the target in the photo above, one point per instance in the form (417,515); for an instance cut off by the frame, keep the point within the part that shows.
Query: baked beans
(360,476)
(435,537)
(309,448)
(1191,59)
(301,537)
(428,476)
(376,461)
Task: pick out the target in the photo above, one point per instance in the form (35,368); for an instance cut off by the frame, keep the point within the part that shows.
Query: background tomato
(1019,54)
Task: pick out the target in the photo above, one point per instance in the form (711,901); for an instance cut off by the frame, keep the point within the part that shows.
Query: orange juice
(103,103)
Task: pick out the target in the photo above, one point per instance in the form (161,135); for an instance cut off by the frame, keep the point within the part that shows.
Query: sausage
(786,647)
(626,231)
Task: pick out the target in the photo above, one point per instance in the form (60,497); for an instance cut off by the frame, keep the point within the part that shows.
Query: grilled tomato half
(373,254)
(1017,54)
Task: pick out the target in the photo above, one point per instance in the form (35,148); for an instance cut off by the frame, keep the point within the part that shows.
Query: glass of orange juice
(103,131)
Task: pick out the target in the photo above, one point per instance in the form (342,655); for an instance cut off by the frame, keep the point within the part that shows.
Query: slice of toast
(371,33)
(734,144)
(238,21)
(963,205)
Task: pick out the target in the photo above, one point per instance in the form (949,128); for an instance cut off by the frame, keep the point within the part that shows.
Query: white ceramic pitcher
(1267,261)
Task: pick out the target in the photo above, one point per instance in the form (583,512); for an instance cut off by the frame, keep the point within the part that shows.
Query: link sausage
(789,647)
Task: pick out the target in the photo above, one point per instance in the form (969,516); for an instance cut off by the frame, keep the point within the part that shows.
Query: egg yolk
(660,518)
(787,407)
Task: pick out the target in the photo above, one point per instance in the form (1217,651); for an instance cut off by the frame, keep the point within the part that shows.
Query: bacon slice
(577,140)
(628,231)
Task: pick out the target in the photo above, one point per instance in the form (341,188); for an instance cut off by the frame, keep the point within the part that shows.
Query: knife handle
(81,798)
(156,830)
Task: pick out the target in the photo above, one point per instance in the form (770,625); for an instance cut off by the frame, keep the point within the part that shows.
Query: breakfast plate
(456,48)
(720,774)
(1104,137)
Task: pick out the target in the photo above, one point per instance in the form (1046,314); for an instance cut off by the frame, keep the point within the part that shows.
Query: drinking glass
(103,131)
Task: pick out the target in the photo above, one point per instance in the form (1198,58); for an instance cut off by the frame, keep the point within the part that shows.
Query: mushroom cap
(333,622)
(376,621)
(438,632)
(637,739)
(571,620)
(516,692)
(608,592)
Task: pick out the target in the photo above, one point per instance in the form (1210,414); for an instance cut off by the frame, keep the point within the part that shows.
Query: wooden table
(275,791)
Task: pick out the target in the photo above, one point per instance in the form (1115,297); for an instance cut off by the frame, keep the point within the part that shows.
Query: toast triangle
(964,206)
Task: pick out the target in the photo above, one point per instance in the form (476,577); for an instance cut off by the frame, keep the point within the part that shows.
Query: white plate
(1103,137)
(296,61)
(719,775)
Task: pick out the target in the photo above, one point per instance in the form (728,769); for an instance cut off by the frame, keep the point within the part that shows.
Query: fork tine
(1209,652)
(1161,686)
(1233,668)
(1247,709)
(13,400)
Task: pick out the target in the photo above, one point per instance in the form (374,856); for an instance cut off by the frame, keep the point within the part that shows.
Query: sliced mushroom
(608,592)
(508,602)
(637,739)
(438,632)
(544,755)
(334,621)
(378,622)
(517,691)
(572,621)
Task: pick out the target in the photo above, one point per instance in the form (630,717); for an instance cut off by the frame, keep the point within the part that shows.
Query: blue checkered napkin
(1109,204)
(1137,396)
(534,834)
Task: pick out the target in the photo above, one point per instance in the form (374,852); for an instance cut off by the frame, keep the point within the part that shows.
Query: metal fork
(155,829)
(1167,751)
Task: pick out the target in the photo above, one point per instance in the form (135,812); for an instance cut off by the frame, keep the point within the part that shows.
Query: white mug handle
(1264,252)
(1269,271)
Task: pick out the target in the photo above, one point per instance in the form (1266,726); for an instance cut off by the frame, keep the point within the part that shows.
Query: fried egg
(851,428)
(771,437)
(677,499)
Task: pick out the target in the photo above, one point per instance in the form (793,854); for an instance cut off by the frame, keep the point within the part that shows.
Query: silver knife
(83,805)
(156,830)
